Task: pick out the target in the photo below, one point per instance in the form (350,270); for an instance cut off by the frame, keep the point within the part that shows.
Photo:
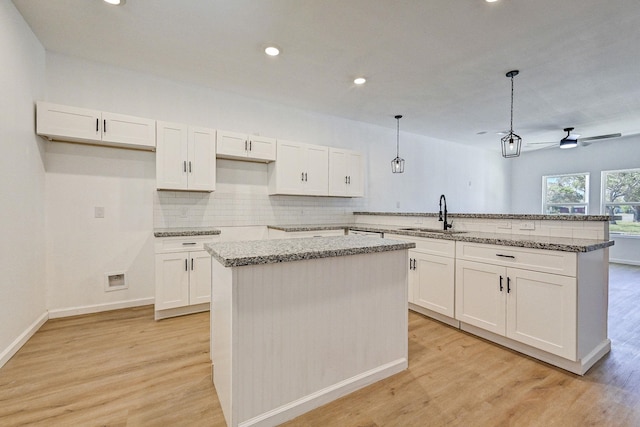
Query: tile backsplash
(193,209)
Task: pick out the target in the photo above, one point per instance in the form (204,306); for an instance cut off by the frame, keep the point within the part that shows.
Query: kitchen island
(297,323)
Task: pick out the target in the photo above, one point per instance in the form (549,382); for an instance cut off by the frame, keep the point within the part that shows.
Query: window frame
(585,203)
(604,204)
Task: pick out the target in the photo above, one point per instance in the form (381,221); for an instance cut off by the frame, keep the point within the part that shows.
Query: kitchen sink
(432,230)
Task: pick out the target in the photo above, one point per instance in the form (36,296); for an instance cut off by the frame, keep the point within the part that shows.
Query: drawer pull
(506,256)
(189,243)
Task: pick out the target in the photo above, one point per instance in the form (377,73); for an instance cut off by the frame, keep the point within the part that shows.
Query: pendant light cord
(398,137)
(511,128)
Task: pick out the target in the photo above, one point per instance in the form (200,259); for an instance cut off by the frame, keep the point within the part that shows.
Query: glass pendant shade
(397,164)
(568,143)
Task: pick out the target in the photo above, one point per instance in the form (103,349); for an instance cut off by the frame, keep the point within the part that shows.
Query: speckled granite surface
(237,254)
(565,244)
(185,232)
(532,217)
(310,227)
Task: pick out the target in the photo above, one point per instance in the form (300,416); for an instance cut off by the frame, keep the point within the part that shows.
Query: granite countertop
(310,227)
(531,217)
(237,254)
(185,232)
(565,244)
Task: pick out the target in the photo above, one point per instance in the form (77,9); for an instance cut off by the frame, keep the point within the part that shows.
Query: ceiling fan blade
(595,138)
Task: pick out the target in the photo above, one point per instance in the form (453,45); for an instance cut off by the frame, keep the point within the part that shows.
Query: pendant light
(397,164)
(511,142)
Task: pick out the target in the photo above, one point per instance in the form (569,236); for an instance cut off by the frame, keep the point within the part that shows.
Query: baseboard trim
(437,316)
(623,261)
(97,308)
(22,339)
(326,395)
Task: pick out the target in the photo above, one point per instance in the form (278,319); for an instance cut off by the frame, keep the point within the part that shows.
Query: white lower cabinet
(183,276)
(431,282)
(535,308)
(431,276)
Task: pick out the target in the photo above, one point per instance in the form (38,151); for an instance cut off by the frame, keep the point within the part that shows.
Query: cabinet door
(317,171)
(172,280)
(128,130)
(479,300)
(287,173)
(200,277)
(338,175)
(433,283)
(231,144)
(541,311)
(262,148)
(201,164)
(68,123)
(171,156)
(355,174)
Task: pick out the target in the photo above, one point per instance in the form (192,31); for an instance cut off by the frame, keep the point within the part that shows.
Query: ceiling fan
(571,140)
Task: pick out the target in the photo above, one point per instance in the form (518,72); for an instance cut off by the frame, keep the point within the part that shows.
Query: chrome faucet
(446,224)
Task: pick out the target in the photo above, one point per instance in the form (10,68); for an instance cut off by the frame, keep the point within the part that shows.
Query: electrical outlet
(98,212)
(397,205)
(527,226)
(505,225)
(184,212)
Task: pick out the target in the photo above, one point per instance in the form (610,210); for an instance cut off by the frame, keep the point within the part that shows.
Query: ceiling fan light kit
(511,143)
(569,141)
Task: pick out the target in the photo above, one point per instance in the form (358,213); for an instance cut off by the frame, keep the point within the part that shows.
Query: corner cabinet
(72,124)
(431,277)
(300,169)
(240,146)
(346,177)
(182,276)
(185,158)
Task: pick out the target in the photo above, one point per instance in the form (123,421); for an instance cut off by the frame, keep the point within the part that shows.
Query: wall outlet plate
(527,226)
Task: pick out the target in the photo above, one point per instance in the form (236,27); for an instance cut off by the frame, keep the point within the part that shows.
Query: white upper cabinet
(185,158)
(346,178)
(300,169)
(72,124)
(240,146)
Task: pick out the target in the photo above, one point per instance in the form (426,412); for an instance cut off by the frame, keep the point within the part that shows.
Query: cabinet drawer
(440,247)
(555,262)
(180,244)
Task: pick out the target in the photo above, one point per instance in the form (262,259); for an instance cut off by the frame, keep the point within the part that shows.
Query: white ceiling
(440,63)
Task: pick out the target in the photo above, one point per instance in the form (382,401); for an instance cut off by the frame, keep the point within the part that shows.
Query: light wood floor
(122,368)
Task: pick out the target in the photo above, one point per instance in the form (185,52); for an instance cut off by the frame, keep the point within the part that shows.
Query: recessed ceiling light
(272,51)
(116,2)
(360,80)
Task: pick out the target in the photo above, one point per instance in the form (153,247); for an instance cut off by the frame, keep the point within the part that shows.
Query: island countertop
(241,253)
(185,232)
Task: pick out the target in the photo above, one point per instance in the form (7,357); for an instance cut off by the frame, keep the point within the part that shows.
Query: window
(621,200)
(565,194)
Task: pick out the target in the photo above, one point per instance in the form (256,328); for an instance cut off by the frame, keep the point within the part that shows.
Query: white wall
(81,248)
(528,169)
(472,179)
(22,177)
